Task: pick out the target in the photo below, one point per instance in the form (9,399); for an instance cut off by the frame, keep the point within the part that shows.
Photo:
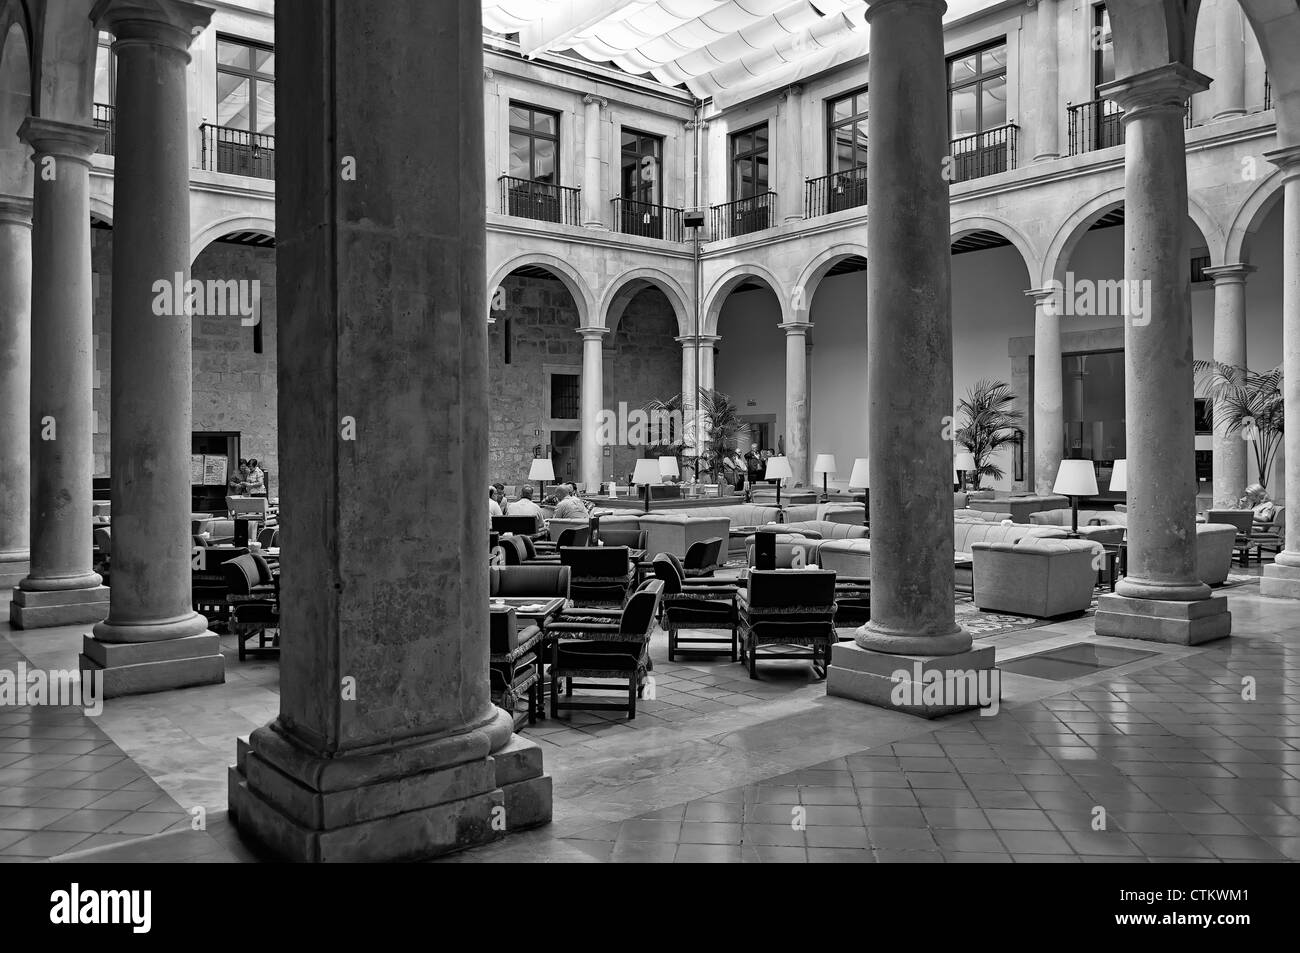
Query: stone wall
(234,388)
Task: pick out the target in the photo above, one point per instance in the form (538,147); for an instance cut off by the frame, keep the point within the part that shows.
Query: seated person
(501,499)
(494,508)
(524,506)
(568,507)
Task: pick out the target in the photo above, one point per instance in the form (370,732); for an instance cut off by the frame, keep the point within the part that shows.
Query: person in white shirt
(524,506)
(494,508)
(568,507)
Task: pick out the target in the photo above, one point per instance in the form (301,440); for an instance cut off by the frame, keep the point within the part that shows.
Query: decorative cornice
(15,210)
(1041,295)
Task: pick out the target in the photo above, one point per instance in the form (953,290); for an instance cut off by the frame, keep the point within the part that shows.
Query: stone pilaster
(61,587)
(152,640)
(593,209)
(1047,133)
(796,400)
(1230,60)
(1231,450)
(1283,577)
(15,387)
(387,745)
(1049,397)
(592,399)
(791,161)
(1163,597)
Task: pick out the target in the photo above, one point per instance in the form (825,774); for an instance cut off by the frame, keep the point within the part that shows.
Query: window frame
(1100,15)
(657,188)
(832,127)
(255,77)
(977,82)
(751,157)
(534,135)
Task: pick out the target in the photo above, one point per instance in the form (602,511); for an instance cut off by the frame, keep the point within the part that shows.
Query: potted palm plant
(987,424)
(722,431)
(1246,402)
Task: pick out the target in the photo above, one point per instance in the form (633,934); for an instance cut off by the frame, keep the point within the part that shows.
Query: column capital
(696,340)
(792,328)
(1042,295)
(694,123)
(1287,159)
(171,24)
(1229,274)
(488,75)
(1166,87)
(791,92)
(63,140)
(914,6)
(15,210)
(600,102)
(593,334)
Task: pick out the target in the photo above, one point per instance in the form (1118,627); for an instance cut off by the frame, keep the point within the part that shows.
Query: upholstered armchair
(632,538)
(791,608)
(606,644)
(520,525)
(252,595)
(793,550)
(208,583)
(601,575)
(1270,534)
(574,536)
(515,664)
(696,607)
(702,557)
(542,581)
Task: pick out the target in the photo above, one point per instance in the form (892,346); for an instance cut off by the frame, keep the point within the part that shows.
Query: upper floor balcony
(540,201)
(983,153)
(835,192)
(237,151)
(743,216)
(647,220)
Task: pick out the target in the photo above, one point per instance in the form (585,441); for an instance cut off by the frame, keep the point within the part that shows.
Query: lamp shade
(1076,478)
(778,468)
(860,478)
(825,463)
(541,469)
(1119,477)
(668,467)
(965,460)
(647,471)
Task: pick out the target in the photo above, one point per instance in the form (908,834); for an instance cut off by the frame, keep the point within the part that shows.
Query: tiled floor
(719,767)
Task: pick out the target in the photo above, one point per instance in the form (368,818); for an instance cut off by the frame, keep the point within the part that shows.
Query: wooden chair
(514,664)
(794,608)
(602,575)
(252,596)
(1244,521)
(603,643)
(696,607)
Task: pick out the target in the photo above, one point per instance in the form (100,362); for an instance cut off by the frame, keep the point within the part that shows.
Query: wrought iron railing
(238,151)
(835,192)
(646,220)
(1268,92)
(101,116)
(984,153)
(541,201)
(743,216)
(1096,124)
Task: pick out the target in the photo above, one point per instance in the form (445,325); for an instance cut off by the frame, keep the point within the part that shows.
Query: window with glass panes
(848,132)
(534,144)
(749,162)
(642,155)
(1103,45)
(105,72)
(245,86)
(977,90)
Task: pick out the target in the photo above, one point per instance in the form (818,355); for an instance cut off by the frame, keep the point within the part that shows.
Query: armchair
(792,608)
(601,575)
(603,643)
(1244,523)
(252,595)
(575,536)
(702,557)
(515,664)
(1270,534)
(524,525)
(537,580)
(695,607)
(208,584)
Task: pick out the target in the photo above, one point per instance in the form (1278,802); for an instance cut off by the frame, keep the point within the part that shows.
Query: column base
(927,685)
(1160,620)
(45,609)
(301,807)
(1282,582)
(13,571)
(139,668)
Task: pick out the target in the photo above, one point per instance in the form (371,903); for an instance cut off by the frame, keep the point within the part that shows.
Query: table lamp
(1076,478)
(860,479)
(1119,477)
(541,471)
(647,473)
(668,467)
(778,469)
(963,463)
(825,465)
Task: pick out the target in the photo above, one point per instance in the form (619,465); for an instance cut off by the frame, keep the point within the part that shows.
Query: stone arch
(567,275)
(1250,216)
(729,279)
(1074,227)
(968,224)
(816,270)
(225,226)
(1277,28)
(629,284)
(101,209)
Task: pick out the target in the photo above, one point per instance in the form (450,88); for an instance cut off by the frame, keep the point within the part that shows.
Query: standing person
(754,464)
(256,479)
(238,482)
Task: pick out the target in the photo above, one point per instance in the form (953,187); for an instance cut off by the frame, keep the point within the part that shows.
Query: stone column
(387,745)
(708,350)
(593,209)
(61,587)
(153,640)
(1049,401)
(1283,577)
(15,387)
(796,399)
(593,402)
(1231,450)
(1163,597)
(1230,60)
(690,387)
(1047,134)
(909,376)
(791,168)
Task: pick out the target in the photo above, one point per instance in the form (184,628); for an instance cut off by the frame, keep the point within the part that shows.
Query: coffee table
(539,609)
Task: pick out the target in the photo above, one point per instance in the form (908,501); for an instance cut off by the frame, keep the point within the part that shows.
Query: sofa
(786,546)
(670,533)
(985,516)
(853,513)
(819,529)
(1035,576)
(1020,507)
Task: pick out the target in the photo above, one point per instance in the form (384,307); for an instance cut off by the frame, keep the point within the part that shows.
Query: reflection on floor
(1159,757)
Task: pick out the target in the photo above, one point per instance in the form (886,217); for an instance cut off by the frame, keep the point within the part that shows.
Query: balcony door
(533,190)
(244,138)
(642,162)
(1107,127)
(977,111)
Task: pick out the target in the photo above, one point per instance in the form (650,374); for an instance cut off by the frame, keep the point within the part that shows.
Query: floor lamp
(541,471)
(825,465)
(860,479)
(1074,479)
(647,474)
(778,469)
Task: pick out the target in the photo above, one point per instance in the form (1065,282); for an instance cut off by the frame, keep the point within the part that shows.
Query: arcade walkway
(719,768)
